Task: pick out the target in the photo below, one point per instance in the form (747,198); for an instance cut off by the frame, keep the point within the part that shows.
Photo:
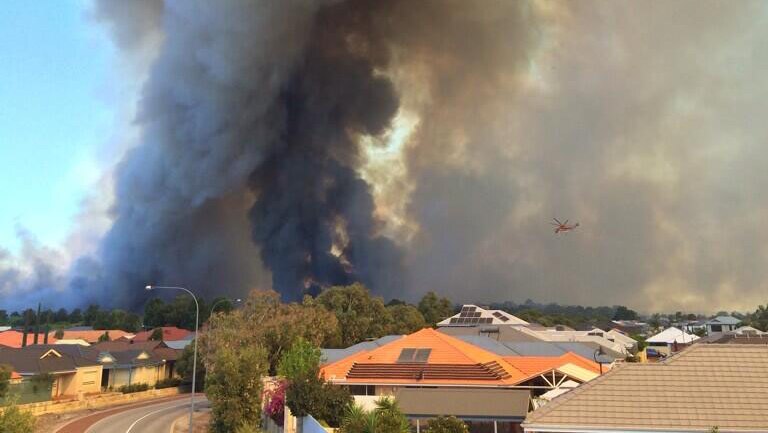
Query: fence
(310,425)
(28,392)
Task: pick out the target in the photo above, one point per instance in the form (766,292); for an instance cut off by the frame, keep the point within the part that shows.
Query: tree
(359,314)
(184,366)
(104,337)
(307,392)
(59,334)
(624,313)
(4,319)
(435,309)
(300,361)
(155,311)
(264,320)
(61,315)
(76,316)
(156,335)
(406,319)
(5,377)
(234,387)
(91,314)
(446,424)
(759,319)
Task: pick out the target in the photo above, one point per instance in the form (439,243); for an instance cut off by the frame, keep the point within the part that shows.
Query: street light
(235,301)
(194,356)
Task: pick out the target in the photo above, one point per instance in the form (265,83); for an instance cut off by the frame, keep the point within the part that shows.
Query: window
(362,390)
(716,328)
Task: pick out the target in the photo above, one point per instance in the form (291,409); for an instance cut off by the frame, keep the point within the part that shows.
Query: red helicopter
(563,227)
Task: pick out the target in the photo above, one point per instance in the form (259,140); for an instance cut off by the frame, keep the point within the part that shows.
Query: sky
(55,115)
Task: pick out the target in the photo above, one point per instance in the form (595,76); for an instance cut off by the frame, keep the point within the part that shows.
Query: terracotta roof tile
(170,333)
(92,336)
(13,338)
(450,361)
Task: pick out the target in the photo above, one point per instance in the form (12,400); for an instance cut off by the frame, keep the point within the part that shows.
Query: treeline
(574,316)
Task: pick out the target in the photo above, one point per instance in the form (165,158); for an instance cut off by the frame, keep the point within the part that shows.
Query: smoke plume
(425,145)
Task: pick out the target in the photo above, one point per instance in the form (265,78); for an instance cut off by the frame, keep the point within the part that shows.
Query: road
(150,418)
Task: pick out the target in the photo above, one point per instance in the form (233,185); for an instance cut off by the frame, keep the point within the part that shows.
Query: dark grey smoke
(252,114)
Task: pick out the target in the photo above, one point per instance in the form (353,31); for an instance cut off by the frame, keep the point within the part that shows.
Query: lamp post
(194,356)
(215,304)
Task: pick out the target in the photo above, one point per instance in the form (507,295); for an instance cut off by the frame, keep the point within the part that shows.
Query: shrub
(13,420)
(446,424)
(274,407)
(136,387)
(171,382)
(247,428)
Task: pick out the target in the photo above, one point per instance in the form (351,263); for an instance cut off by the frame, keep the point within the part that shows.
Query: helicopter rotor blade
(557,221)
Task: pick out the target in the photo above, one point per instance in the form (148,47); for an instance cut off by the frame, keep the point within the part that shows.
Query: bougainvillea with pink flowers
(275,402)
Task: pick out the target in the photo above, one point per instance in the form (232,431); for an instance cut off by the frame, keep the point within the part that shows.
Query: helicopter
(563,227)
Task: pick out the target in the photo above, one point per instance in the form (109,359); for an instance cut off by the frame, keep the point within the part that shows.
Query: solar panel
(471,308)
(504,319)
(422,355)
(454,320)
(414,355)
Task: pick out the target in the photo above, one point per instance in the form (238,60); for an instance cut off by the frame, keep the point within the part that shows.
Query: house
(127,363)
(675,395)
(722,324)
(14,339)
(543,348)
(748,330)
(630,326)
(66,374)
(496,324)
(74,341)
(182,343)
(473,315)
(92,336)
(170,333)
(670,340)
(621,337)
(431,373)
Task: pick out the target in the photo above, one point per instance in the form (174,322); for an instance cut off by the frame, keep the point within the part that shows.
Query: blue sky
(54,114)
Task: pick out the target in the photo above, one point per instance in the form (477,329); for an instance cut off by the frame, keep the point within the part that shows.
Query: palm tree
(385,418)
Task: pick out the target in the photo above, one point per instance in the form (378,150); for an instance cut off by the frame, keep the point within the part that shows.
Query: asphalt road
(156,418)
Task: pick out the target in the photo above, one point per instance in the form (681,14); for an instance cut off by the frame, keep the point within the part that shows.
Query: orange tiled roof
(13,338)
(451,361)
(535,365)
(170,333)
(93,336)
(15,375)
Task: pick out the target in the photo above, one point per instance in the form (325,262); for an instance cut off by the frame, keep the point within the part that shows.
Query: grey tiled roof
(333,355)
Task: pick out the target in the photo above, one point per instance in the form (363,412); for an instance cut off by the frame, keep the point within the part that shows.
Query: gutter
(560,428)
